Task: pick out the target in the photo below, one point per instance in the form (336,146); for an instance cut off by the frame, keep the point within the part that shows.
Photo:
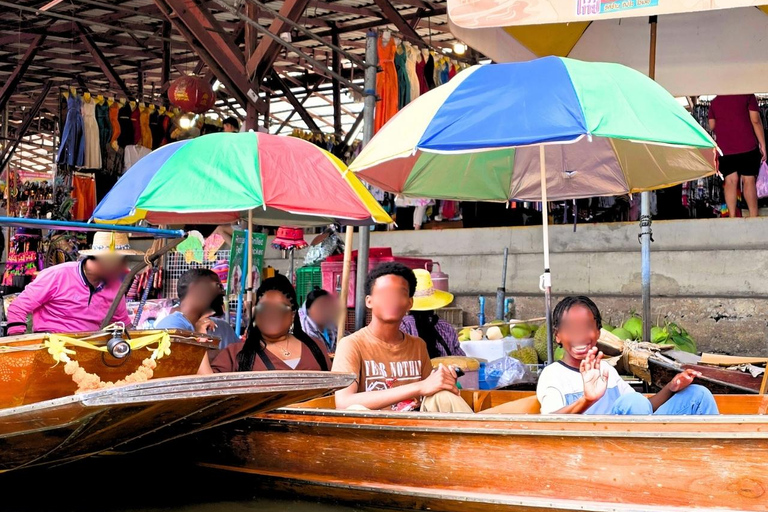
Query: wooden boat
(516,461)
(44,420)
(137,416)
(29,374)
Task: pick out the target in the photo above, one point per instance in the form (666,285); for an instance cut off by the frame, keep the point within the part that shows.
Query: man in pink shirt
(738,129)
(75,297)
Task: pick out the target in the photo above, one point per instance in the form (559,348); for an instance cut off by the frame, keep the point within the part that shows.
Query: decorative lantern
(191,94)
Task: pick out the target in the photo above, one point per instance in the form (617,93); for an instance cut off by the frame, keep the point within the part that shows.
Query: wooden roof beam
(266,52)
(114,79)
(13,81)
(295,103)
(202,32)
(405,28)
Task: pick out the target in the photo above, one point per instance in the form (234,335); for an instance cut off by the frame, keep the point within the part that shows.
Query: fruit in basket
(634,326)
(503,327)
(494,333)
(622,334)
(526,355)
(540,342)
(476,334)
(521,331)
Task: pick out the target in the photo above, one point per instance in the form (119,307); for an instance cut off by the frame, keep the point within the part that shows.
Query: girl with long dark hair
(275,340)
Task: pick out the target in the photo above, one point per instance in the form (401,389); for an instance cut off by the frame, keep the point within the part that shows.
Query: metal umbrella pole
(371,59)
(646,234)
(545,280)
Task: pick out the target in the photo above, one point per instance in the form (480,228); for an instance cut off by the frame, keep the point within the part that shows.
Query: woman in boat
(275,339)
(423,322)
(583,383)
(318,315)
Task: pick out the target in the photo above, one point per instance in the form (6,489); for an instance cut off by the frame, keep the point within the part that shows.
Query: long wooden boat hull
(514,462)
(137,416)
(717,380)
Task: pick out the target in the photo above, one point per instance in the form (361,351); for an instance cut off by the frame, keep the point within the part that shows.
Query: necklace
(286,352)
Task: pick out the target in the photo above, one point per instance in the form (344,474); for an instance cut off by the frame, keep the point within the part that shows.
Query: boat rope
(57,345)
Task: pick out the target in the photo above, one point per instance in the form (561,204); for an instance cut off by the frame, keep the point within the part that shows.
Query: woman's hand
(683,380)
(595,377)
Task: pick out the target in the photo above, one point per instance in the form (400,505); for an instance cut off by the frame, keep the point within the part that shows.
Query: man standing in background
(735,121)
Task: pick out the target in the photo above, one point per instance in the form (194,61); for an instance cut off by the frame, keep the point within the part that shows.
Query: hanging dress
(429,72)
(125,137)
(403,86)
(386,85)
(91,129)
(444,72)
(421,64)
(136,122)
(72,147)
(146,131)
(413,77)
(156,127)
(168,127)
(105,129)
(114,122)
(451,71)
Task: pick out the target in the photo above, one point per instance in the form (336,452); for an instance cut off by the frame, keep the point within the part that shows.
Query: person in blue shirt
(201,296)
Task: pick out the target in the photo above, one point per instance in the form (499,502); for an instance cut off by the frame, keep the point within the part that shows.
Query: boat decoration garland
(57,344)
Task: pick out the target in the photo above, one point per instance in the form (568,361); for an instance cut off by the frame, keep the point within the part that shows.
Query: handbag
(762,181)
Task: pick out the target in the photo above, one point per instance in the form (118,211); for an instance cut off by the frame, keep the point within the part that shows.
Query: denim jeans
(693,400)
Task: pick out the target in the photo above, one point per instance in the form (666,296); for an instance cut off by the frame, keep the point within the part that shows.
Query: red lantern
(191,94)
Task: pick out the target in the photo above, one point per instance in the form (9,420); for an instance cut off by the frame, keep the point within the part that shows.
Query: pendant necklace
(286,352)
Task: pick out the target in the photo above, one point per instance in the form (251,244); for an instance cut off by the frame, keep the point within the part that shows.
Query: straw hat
(109,243)
(427,297)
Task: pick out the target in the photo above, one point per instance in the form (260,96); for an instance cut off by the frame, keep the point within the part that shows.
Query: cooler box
(333,266)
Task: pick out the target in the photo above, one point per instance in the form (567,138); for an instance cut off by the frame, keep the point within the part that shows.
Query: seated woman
(275,339)
(581,383)
(319,315)
(422,322)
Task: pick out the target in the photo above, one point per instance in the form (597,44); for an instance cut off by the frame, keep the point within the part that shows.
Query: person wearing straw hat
(422,322)
(76,296)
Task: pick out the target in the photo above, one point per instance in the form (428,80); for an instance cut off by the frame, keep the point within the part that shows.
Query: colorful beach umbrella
(217,177)
(552,128)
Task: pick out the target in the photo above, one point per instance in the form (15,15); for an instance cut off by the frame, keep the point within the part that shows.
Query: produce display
(498,330)
(667,334)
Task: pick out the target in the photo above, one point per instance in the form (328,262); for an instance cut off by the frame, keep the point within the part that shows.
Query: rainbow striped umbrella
(216,177)
(552,128)
(606,130)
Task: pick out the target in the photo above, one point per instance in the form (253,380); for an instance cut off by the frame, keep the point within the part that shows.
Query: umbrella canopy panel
(217,177)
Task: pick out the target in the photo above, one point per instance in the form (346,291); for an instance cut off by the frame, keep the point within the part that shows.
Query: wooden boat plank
(717,380)
(616,463)
(74,427)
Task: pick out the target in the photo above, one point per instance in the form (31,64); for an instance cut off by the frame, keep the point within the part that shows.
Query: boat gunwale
(177,336)
(188,386)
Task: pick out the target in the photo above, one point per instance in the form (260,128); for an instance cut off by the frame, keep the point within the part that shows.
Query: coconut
(476,334)
(494,333)
(659,335)
(622,333)
(503,327)
(634,326)
(519,331)
(559,353)
(608,327)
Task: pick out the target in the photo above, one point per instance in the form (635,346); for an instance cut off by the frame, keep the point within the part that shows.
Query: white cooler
(491,350)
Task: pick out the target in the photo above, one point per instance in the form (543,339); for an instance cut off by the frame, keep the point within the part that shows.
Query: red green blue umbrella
(552,128)
(216,177)
(606,130)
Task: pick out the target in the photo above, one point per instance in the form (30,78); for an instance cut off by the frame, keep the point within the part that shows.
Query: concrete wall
(709,275)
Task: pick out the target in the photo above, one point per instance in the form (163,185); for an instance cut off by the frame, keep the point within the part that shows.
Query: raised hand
(683,380)
(205,324)
(595,377)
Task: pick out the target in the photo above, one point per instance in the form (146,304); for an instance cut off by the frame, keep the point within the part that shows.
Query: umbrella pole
(344,292)
(249,252)
(646,234)
(545,280)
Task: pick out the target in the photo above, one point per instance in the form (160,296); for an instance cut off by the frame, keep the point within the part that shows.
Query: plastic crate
(306,279)
(331,279)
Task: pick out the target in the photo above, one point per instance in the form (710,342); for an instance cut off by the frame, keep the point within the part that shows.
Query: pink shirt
(60,299)
(733,127)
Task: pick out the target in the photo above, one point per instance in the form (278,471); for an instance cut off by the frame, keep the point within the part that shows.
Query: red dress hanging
(386,85)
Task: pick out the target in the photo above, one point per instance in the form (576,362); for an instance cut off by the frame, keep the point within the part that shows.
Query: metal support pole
(646,234)
(501,291)
(545,280)
(371,59)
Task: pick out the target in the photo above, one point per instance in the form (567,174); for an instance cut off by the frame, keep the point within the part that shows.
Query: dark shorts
(745,164)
